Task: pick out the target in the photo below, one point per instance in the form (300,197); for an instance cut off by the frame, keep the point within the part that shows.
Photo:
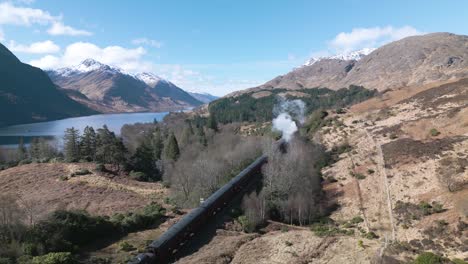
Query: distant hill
(28,95)
(204,97)
(109,89)
(410,61)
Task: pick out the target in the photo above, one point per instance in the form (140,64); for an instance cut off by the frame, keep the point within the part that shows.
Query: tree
(21,151)
(34,149)
(88,144)
(157,144)
(187,134)
(104,142)
(118,153)
(212,122)
(71,145)
(202,136)
(171,150)
(144,161)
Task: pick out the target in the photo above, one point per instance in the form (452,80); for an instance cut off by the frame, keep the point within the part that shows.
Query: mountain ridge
(28,95)
(414,60)
(110,89)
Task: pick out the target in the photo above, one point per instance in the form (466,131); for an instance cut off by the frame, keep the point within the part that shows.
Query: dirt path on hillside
(380,165)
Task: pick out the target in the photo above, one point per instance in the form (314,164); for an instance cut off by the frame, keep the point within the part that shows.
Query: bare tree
(292,182)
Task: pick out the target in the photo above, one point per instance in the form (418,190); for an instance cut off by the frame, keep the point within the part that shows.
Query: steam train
(164,248)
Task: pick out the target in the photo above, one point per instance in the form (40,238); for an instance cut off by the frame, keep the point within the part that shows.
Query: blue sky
(213,46)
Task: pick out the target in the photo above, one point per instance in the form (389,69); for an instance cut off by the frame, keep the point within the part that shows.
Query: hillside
(410,61)
(403,179)
(110,90)
(28,95)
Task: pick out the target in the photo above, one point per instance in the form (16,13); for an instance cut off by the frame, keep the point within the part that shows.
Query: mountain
(28,95)
(109,89)
(410,61)
(354,55)
(164,88)
(204,97)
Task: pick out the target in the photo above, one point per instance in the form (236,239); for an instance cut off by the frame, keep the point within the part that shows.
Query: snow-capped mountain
(108,88)
(149,78)
(88,65)
(353,55)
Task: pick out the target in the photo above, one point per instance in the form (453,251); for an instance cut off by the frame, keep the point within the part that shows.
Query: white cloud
(360,38)
(127,59)
(58,28)
(2,35)
(46,62)
(47,46)
(26,16)
(149,42)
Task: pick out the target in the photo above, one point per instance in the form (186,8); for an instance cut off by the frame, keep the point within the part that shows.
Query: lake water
(9,136)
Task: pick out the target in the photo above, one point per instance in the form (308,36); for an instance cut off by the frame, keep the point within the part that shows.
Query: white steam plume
(286,112)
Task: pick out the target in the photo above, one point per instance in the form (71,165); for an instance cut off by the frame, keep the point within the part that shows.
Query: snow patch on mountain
(353,55)
(149,78)
(88,65)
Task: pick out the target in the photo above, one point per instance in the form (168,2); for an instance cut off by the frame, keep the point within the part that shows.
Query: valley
(356,152)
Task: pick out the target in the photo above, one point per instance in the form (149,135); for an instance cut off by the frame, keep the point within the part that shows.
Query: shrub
(147,217)
(125,246)
(357,220)
(247,225)
(434,132)
(358,176)
(26,259)
(80,172)
(137,175)
(370,171)
(428,258)
(393,136)
(370,235)
(360,243)
(288,243)
(5,261)
(55,258)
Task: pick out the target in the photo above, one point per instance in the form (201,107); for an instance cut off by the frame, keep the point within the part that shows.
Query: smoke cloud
(286,112)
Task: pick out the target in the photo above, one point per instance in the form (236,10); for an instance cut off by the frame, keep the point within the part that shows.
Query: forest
(246,108)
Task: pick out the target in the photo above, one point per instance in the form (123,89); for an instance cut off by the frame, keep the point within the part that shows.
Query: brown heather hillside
(406,177)
(48,187)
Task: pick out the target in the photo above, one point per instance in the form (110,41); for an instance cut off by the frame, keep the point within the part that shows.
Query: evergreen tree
(212,122)
(202,136)
(104,142)
(88,144)
(118,153)
(187,134)
(46,151)
(171,150)
(109,148)
(34,149)
(143,161)
(157,144)
(71,145)
(21,151)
